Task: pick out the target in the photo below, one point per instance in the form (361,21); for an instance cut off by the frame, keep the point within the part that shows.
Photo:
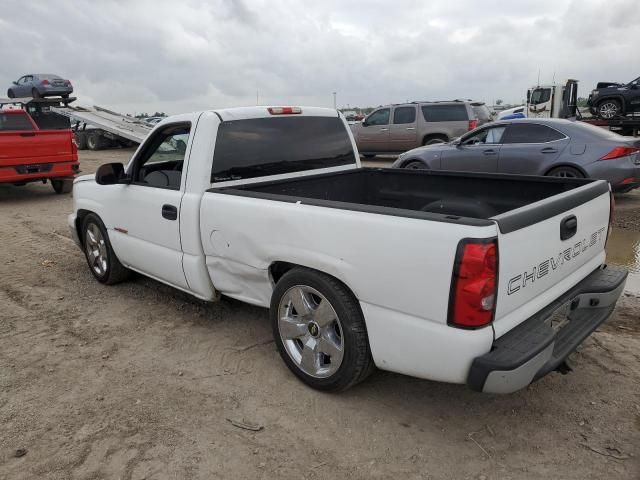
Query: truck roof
(243,113)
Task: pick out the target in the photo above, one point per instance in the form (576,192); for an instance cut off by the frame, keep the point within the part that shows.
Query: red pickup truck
(29,154)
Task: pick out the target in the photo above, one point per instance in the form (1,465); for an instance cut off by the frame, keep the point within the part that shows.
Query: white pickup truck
(488,280)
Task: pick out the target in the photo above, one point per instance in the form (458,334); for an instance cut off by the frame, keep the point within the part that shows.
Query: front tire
(10,94)
(35,93)
(609,109)
(415,165)
(319,330)
(101,258)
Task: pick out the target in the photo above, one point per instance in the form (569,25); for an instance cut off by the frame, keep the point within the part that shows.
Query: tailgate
(39,146)
(546,248)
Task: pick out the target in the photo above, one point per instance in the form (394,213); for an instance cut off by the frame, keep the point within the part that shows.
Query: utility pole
(334,100)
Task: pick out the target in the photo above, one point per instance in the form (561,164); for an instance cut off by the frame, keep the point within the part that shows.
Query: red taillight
(472,300)
(44,82)
(473,124)
(284,110)
(620,152)
(67,83)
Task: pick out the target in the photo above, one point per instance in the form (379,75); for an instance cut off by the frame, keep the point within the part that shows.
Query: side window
(445,113)
(487,136)
(404,115)
(379,117)
(530,133)
(160,163)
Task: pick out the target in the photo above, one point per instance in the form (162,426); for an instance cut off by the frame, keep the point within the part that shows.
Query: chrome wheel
(608,109)
(310,331)
(96,249)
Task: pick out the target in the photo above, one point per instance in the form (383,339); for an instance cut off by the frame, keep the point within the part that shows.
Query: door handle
(410,128)
(489,152)
(548,150)
(384,129)
(169,212)
(568,227)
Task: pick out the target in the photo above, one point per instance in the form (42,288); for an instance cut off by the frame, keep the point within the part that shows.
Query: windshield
(269,146)
(540,95)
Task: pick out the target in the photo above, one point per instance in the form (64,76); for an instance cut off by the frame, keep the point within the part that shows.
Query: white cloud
(179,56)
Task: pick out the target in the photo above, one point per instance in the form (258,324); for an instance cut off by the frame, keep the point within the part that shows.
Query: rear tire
(101,258)
(609,109)
(62,185)
(416,165)
(35,93)
(565,172)
(434,140)
(325,344)
(95,141)
(81,140)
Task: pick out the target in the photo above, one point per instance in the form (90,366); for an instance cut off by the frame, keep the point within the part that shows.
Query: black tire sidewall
(92,218)
(412,162)
(351,319)
(578,173)
(615,102)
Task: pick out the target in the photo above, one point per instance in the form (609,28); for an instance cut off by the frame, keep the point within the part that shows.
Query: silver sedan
(550,147)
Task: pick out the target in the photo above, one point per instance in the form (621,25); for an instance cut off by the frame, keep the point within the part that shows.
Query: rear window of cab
(14,121)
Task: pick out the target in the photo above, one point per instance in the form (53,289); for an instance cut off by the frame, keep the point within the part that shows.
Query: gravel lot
(141,381)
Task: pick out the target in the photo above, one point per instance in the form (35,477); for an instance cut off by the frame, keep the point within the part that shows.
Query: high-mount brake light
(620,152)
(284,110)
(472,301)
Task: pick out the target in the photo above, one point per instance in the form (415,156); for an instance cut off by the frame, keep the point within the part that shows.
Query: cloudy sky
(177,56)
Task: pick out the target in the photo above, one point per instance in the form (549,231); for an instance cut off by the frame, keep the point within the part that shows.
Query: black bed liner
(432,195)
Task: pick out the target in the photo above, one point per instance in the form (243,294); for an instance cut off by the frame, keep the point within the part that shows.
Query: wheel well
(432,136)
(80,216)
(278,269)
(576,167)
(618,98)
(409,160)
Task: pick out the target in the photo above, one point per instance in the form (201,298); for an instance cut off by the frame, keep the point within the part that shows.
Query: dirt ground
(140,381)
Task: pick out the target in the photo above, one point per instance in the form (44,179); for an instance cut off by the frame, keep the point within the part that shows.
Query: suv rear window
(15,121)
(445,113)
(482,112)
(270,146)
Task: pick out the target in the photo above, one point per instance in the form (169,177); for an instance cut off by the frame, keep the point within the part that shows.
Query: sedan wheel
(565,172)
(609,109)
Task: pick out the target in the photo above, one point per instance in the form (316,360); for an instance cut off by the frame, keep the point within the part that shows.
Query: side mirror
(15,83)
(364,123)
(110,174)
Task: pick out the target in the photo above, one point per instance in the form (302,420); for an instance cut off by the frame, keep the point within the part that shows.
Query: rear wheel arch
(435,136)
(278,268)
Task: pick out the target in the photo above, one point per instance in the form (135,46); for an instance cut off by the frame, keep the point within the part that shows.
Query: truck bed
(513,201)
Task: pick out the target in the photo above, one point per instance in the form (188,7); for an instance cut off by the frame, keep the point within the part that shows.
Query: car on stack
(40,85)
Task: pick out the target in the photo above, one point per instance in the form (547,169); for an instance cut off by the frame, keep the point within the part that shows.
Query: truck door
(530,149)
(403,135)
(146,233)
(373,132)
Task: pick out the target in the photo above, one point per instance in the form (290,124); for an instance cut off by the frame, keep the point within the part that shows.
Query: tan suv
(398,128)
